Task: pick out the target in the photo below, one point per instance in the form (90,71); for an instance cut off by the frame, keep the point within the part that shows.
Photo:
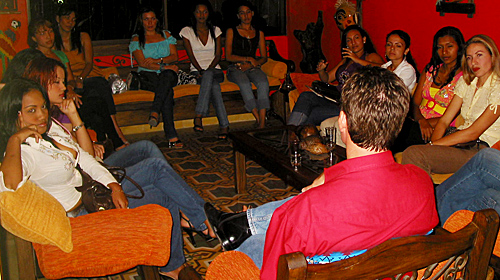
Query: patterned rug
(207,165)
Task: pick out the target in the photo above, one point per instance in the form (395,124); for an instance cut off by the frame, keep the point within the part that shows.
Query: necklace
(250,29)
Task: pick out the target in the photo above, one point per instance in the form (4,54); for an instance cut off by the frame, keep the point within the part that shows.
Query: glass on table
(330,138)
(295,156)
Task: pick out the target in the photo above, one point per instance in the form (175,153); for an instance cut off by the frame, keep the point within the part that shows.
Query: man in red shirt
(354,205)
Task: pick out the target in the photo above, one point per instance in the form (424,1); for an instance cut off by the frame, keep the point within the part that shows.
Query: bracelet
(75,128)
(161,60)
(430,143)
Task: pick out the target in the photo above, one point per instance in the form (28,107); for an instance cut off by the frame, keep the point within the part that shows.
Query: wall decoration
(456,6)
(8,35)
(310,43)
(8,6)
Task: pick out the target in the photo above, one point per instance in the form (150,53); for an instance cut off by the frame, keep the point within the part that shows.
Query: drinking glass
(295,156)
(330,138)
(296,160)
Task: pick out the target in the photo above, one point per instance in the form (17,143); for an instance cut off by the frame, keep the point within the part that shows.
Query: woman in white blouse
(399,59)
(477,99)
(34,147)
(203,45)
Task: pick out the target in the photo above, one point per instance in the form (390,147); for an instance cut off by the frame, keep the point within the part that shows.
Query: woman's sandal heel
(153,121)
(198,126)
(190,230)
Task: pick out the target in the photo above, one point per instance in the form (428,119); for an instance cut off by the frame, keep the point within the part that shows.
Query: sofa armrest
(274,68)
(274,54)
(110,242)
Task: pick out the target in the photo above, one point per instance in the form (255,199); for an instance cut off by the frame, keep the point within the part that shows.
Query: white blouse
(474,104)
(204,54)
(406,72)
(54,170)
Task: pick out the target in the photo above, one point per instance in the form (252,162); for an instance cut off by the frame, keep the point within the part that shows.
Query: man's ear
(343,127)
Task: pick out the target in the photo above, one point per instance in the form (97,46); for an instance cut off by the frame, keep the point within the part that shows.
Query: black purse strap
(120,174)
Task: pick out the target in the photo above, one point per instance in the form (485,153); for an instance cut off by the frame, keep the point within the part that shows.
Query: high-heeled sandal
(153,121)
(190,230)
(223,133)
(175,144)
(198,127)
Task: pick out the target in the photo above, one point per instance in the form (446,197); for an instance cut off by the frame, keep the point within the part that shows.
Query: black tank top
(243,46)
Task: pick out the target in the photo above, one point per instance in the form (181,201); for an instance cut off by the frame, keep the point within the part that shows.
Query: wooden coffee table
(268,148)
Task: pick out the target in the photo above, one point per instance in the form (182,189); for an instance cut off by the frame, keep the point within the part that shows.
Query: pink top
(434,104)
(362,203)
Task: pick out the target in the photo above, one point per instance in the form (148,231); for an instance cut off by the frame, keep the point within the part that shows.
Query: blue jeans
(474,187)
(244,80)
(210,92)
(312,109)
(171,184)
(258,220)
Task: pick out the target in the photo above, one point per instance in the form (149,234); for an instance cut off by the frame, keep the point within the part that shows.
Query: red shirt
(363,202)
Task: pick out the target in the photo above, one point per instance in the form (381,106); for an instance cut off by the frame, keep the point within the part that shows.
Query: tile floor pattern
(206,164)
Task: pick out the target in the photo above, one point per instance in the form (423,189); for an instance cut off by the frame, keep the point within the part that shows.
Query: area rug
(207,165)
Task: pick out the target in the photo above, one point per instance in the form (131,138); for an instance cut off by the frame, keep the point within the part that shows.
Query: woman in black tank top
(242,43)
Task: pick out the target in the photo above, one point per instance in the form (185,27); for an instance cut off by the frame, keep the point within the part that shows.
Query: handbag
(184,78)
(326,91)
(467,145)
(97,197)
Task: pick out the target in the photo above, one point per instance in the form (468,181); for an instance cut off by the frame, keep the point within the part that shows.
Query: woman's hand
(322,64)
(149,62)
(426,129)
(119,199)
(347,53)
(252,61)
(71,94)
(98,150)
(68,107)
(25,132)
(244,66)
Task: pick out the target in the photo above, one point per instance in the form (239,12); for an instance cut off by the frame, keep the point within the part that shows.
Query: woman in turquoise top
(154,50)
(91,107)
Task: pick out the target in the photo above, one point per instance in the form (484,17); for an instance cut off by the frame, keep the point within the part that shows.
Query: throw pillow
(33,214)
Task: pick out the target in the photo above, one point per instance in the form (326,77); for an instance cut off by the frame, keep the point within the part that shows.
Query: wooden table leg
(240,171)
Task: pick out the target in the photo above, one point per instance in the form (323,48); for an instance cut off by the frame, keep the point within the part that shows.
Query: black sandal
(153,121)
(198,127)
(175,144)
(190,230)
(223,134)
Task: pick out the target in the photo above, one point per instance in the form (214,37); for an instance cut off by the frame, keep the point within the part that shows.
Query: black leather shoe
(231,228)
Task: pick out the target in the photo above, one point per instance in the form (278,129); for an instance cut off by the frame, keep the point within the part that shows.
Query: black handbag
(97,197)
(326,91)
(467,145)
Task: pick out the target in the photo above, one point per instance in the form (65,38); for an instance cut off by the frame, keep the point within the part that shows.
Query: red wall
(418,18)
(21,34)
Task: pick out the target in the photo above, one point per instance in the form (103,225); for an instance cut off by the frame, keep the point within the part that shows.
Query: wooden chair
(465,251)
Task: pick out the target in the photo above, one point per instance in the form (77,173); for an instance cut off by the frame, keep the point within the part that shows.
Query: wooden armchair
(465,251)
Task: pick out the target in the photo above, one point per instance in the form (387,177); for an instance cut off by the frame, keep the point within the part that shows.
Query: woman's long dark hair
(193,22)
(76,43)
(33,27)
(436,60)
(139,28)
(11,99)
(406,38)
(368,45)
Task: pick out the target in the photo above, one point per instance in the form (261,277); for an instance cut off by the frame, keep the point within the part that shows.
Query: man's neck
(354,151)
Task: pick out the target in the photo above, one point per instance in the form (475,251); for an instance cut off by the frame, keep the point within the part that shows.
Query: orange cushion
(300,80)
(132,96)
(232,265)
(110,242)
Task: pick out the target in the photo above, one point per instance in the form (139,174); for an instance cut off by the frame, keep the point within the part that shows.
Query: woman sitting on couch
(35,148)
(154,49)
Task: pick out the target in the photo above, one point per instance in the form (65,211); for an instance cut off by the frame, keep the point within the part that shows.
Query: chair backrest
(465,251)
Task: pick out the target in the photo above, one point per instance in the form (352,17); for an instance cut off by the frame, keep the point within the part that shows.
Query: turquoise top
(62,56)
(153,50)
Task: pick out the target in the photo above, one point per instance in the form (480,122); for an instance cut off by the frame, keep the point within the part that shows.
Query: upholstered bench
(133,106)
(92,245)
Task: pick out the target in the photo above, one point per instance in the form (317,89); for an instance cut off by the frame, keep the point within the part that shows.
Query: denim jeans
(312,109)
(210,92)
(170,183)
(474,187)
(244,80)
(258,220)
(162,84)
